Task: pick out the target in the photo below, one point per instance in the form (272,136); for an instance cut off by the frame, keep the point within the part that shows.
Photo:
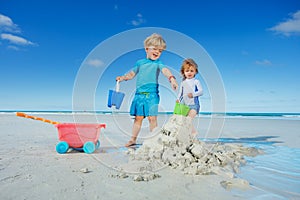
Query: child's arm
(126,77)
(179,96)
(199,87)
(171,78)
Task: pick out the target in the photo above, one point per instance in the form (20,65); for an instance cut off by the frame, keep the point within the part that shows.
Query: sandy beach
(32,169)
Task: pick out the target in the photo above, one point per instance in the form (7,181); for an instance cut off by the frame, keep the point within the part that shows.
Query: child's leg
(192,114)
(152,122)
(135,130)
(153,101)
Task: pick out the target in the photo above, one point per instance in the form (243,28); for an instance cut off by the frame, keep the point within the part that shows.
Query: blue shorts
(144,104)
(195,107)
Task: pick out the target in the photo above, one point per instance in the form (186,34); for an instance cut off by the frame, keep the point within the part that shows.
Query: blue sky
(254,44)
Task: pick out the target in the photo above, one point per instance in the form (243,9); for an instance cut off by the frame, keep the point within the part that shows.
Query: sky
(254,46)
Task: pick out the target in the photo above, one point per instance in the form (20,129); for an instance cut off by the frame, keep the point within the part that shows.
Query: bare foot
(130,143)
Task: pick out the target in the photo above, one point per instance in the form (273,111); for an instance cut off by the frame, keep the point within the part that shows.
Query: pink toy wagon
(78,136)
(83,137)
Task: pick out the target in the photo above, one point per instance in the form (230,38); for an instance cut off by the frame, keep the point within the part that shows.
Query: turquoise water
(274,174)
(291,116)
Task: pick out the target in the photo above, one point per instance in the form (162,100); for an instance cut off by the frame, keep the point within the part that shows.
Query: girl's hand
(177,101)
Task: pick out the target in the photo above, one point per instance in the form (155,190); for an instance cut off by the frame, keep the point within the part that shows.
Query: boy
(146,99)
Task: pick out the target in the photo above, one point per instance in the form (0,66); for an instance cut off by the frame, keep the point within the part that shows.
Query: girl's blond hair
(155,40)
(187,63)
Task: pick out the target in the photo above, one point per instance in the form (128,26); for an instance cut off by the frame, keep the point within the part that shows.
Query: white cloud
(264,62)
(7,25)
(8,30)
(13,48)
(138,21)
(290,26)
(95,63)
(15,39)
(5,21)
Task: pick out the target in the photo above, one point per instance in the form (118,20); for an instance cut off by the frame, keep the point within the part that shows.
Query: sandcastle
(174,147)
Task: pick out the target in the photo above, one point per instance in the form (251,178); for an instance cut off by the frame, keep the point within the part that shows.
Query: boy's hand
(126,77)
(174,84)
(190,95)
(119,78)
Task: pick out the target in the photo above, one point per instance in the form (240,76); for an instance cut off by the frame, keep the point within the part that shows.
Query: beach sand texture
(32,169)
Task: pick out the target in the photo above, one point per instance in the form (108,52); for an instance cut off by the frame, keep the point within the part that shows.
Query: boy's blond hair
(155,40)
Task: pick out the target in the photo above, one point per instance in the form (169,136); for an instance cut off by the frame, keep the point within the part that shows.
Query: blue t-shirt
(147,72)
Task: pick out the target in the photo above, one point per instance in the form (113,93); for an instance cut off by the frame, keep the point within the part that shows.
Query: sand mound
(173,146)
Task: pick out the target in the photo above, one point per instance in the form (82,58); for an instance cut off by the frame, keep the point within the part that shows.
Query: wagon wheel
(62,147)
(89,147)
(97,144)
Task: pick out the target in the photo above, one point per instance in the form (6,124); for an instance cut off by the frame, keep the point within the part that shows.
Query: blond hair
(155,40)
(186,64)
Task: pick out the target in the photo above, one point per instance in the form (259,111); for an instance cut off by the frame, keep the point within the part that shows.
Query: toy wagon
(82,137)
(78,136)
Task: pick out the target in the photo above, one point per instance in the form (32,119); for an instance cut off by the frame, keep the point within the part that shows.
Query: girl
(190,88)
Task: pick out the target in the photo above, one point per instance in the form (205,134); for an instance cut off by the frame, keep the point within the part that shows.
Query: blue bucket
(115,98)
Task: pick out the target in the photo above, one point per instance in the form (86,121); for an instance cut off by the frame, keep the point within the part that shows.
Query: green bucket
(181,109)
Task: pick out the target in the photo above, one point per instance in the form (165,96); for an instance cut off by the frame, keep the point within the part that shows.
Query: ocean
(254,115)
